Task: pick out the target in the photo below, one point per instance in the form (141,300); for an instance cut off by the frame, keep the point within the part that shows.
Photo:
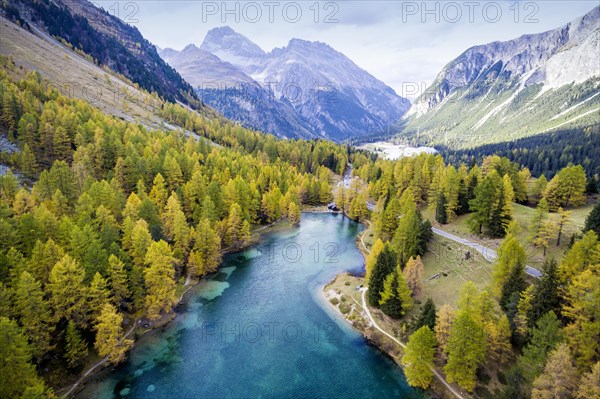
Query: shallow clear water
(261,329)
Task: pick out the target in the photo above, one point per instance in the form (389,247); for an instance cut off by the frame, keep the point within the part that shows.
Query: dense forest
(542,154)
(107,217)
(104,220)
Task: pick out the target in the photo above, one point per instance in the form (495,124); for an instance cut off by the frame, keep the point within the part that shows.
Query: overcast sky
(405,44)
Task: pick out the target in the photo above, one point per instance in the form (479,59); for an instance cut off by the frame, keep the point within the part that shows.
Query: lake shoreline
(346,285)
(142,325)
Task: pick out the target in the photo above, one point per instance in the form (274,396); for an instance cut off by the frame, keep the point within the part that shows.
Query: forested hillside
(107,40)
(542,154)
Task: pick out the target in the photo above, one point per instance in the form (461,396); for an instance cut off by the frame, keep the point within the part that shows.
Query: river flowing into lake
(260,328)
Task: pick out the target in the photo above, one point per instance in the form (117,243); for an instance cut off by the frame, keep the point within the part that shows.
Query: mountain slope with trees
(107,40)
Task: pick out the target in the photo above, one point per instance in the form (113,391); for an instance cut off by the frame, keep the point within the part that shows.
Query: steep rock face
(544,58)
(519,87)
(319,90)
(313,76)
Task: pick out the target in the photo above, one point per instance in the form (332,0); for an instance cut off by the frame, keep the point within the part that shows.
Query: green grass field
(447,269)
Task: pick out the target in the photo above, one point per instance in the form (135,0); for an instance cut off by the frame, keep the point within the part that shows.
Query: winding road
(489,254)
(435,372)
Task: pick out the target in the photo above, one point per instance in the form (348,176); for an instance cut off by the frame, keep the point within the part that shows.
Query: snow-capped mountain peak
(331,95)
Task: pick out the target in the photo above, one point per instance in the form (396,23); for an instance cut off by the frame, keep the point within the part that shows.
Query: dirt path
(367,250)
(95,366)
(435,372)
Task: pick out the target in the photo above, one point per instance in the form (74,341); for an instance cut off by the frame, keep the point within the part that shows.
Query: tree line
(543,154)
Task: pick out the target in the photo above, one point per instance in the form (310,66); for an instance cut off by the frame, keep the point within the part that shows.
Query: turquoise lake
(261,328)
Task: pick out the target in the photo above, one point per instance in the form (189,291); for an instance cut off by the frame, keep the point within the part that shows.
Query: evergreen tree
(206,253)
(28,163)
(443,323)
(67,291)
(358,208)
(544,337)
(17,374)
(427,316)
(175,227)
(86,248)
(567,188)
(486,202)
(339,197)
(589,386)
(564,218)
(293,213)
(559,379)
(541,214)
(545,234)
(511,258)
(407,237)
(395,296)
(389,219)
(592,221)
(61,144)
(158,194)
(138,242)
(390,303)
(583,254)
(502,213)
(514,285)
(159,277)
(43,258)
(591,186)
(34,314)
(110,340)
(539,187)
(466,349)
(514,385)
(384,265)
(238,230)
(97,296)
(413,274)
(418,358)
(545,295)
(117,280)
(582,310)
(75,347)
(173,173)
(451,192)
(208,209)
(372,258)
(440,210)
(498,340)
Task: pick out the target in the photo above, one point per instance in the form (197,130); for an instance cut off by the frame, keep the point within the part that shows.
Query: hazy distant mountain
(506,90)
(203,69)
(235,94)
(319,90)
